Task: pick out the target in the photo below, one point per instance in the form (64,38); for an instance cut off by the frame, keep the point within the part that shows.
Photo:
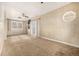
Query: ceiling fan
(23,16)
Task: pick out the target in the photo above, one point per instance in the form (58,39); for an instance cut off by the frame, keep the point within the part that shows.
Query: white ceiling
(33,9)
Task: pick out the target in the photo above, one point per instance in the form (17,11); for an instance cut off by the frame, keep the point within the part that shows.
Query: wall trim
(60,42)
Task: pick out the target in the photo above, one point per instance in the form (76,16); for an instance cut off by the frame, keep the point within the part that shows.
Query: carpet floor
(23,45)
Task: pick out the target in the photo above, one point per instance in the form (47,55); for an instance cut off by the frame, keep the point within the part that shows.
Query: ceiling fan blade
(26,16)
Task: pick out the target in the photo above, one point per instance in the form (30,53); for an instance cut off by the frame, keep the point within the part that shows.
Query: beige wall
(13,14)
(2,27)
(52,25)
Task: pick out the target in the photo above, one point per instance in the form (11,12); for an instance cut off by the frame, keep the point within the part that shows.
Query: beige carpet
(23,45)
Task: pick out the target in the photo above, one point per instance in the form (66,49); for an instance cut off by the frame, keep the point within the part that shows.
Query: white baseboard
(77,46)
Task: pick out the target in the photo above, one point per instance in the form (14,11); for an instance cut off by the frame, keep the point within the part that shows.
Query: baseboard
(61,42)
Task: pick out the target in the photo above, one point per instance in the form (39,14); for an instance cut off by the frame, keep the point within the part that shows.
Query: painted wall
(2,27)
(13,14)
(52,25)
